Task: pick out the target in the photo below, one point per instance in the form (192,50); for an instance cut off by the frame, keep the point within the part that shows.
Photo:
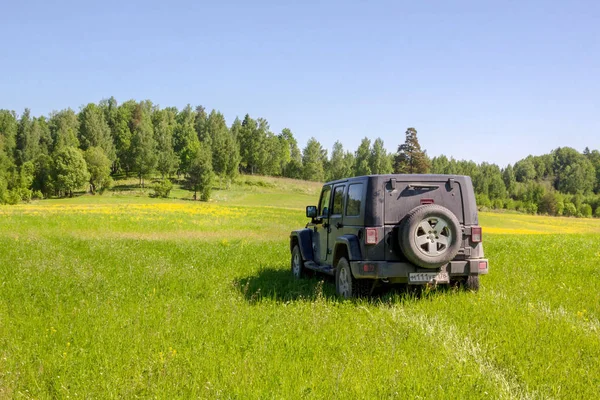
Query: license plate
(428,277)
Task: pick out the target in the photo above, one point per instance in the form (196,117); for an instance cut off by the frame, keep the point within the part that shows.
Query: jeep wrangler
(412,229)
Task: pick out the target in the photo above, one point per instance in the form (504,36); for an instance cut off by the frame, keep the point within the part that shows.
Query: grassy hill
(122,295)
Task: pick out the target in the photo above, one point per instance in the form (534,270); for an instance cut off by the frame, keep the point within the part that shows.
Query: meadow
(124,296)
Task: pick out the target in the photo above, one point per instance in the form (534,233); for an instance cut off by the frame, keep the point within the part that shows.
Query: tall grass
(175,299)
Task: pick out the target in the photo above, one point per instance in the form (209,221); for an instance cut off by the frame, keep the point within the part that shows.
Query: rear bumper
(398,271)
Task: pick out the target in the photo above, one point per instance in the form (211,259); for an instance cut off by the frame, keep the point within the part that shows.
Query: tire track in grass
(465,350)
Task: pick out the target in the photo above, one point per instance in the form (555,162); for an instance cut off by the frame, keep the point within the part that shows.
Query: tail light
(483,265)
(371,236)
(476,234)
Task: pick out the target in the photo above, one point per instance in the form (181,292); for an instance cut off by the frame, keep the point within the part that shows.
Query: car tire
(472,283)
(346,286)
(297,263)
(430,236)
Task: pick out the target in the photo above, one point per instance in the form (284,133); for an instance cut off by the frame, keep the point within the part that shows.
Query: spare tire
(430,236)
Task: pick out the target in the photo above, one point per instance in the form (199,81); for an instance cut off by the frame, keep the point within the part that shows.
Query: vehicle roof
(404,177)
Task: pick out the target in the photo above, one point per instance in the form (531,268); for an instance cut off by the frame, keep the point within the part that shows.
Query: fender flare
(304,238)
(352,246)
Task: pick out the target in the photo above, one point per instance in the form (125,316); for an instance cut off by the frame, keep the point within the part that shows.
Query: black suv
(414,229)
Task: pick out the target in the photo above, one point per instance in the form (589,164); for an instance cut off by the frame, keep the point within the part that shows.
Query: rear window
(353,199)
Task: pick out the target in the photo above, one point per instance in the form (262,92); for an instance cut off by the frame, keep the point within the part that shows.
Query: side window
(338,200)
(353,199)
(324,203)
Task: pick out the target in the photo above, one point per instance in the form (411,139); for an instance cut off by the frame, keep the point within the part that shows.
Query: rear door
(402,196)
(336,219)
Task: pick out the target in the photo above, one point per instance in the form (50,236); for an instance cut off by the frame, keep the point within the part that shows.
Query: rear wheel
(472,283)
(298,269)
(346,285)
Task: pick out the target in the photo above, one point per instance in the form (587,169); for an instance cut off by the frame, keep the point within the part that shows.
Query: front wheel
(346,285)
(297,263)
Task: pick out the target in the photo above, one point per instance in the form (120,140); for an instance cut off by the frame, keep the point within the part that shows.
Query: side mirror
(311,211)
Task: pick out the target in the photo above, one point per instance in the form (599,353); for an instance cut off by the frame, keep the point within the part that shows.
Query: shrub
(548,204)
(498,204)
(37,195)
(585,210)
(570,209)
(483,201)
(519,205)
(560,208)
(13,197)
(25,194)
(162,189)
(530,208)
(509,204)
(597,212)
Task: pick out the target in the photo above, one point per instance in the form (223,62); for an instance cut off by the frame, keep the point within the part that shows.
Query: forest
(67,151)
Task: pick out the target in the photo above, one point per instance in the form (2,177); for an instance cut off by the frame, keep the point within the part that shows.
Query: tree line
(66,151)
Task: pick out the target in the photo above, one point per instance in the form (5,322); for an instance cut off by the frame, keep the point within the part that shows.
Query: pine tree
(410,159)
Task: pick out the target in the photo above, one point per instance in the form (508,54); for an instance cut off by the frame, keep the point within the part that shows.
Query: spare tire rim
(433,236)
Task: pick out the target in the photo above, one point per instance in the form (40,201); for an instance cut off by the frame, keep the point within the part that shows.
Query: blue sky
(482,80)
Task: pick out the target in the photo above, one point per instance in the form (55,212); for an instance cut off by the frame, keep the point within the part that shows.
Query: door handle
(339,225)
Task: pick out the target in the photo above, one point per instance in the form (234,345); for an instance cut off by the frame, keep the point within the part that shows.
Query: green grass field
(123,296)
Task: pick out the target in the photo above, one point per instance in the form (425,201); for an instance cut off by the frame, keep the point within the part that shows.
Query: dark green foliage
(185,139)
(94,131)
(341,163)
(410,158)
(293,169)
(362,158)
(70,170)
(379,160)
(98,165)
(509,179)
(8,132)
(141,137)
(200,173)
(143,146)
(43,180)
(312,161)
(585,210)
(64,128)
(549,204)
(570,209)
(165,123)
(524,170)
(224,148)
(574,172)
